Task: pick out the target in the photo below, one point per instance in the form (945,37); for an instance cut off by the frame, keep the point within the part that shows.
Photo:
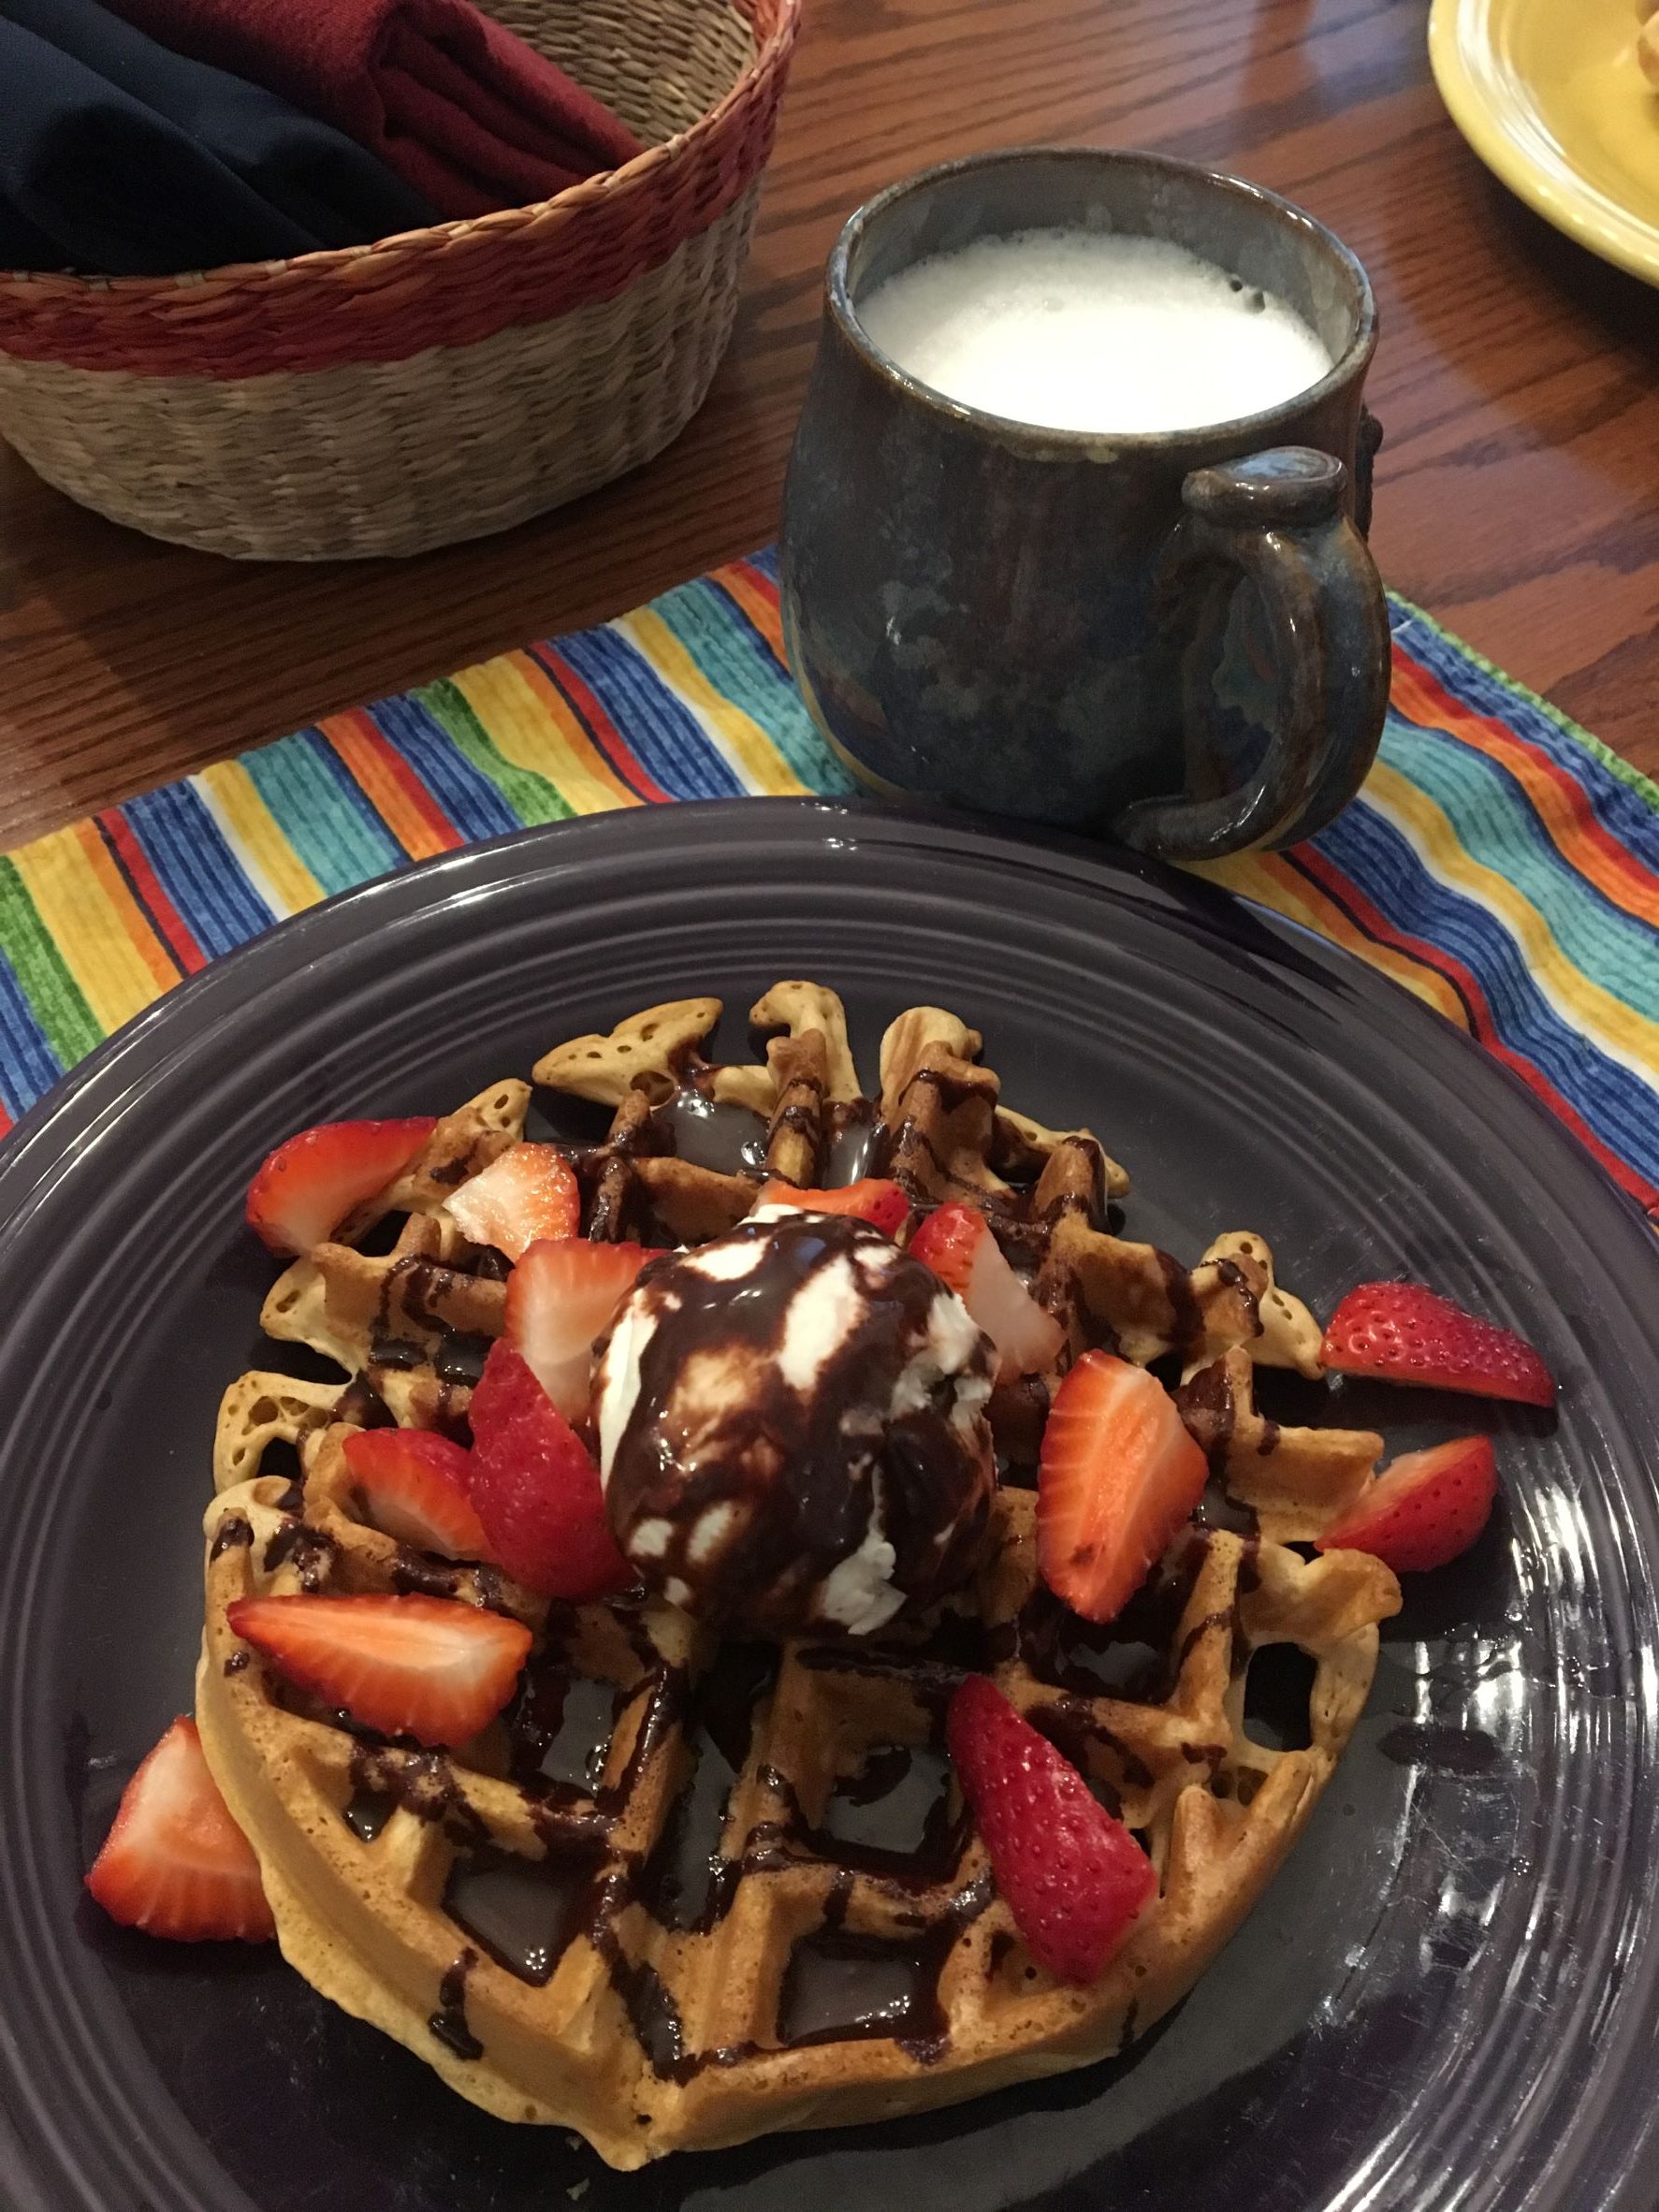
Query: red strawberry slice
(1424,1510)
(1117,1475)
(527,1192)
(307,1186)
(959,1244)
(1401,1333)
(414,1486)
(175,1863)
(560,1296)
(1074,1878)
(430,1668)
(535,1489)
(882,1203)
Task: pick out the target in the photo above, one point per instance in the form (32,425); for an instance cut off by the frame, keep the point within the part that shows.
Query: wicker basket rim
(773,37)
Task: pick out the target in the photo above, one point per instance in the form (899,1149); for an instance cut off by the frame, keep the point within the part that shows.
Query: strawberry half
(526,1193)
(1117,1475)
(560,1296)
(430,1668)
(535,1489)
(1424,1510)
(1401,1333)
(307,1186)
(175,1863)
(1074,1878)
(882,1203)
(413,1486)
(959,1244)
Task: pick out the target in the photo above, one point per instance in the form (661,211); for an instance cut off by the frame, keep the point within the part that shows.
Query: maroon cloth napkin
(458,106)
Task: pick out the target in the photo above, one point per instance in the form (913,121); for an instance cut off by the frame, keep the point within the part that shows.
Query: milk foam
(1083,330)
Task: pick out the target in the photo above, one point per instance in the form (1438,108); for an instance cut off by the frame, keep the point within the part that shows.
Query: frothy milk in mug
(1082,331)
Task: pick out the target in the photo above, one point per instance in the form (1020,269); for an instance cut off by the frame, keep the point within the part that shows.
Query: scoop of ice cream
(791,1428)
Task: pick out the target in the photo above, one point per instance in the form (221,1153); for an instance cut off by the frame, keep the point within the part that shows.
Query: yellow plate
(1551,95)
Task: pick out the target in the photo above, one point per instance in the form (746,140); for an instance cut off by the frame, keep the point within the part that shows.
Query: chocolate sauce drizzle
(523,1913)
(310,1550)
(1132,1657)
(686,1882)
(449,2022)
(840,1985)
(422,1782)
(896,1815)
(708,1132)
(233,1533)
(559,1728)
(1207,1407)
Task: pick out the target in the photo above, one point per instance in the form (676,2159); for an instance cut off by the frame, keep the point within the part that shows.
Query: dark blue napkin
(121,158)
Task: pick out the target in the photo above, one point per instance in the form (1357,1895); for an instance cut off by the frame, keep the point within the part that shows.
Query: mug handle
(1276,519)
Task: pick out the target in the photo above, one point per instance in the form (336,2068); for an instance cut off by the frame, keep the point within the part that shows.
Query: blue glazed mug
(1176,638)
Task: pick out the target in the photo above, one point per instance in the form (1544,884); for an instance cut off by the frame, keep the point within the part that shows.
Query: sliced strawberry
(175,1863)
(1401,1333)
(1074,1878)
(882,1203)
(1424,1510)
(526,1193)
(560,1296)
(959,1244)
(1118,1475)
(535,1489)
(413,1488)
(307,1186)
(430,1668)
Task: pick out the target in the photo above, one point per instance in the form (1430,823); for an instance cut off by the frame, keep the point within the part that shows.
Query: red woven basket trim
(448,287)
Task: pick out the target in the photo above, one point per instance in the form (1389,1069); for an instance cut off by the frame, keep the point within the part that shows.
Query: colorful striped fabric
(1499,863)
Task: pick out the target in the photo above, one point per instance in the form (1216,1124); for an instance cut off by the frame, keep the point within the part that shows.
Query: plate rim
(1625,239)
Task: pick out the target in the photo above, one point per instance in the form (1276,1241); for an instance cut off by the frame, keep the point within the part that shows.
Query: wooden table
(1518,493)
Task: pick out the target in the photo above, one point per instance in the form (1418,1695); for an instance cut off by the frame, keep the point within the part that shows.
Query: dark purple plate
(1450,1996)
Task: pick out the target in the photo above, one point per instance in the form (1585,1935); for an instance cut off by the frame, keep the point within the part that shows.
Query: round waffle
(684,1893)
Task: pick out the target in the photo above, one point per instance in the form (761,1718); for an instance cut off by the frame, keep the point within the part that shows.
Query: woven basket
(391,398)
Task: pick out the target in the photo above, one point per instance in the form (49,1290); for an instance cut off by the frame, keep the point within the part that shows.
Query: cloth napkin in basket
(463,110)
(119,158)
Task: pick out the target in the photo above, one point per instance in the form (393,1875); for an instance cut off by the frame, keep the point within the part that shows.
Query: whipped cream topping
(791,1428)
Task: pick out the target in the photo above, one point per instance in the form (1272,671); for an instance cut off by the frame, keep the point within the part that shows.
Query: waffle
(684,1893)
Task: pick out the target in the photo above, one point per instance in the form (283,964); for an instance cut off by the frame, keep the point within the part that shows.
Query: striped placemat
(1499,863)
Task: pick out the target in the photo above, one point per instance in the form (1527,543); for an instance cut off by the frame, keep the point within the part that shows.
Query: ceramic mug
(1179,636)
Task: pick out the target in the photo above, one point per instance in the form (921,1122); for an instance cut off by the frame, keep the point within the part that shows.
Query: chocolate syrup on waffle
(715,1133)
(362,1406)
(559,1728)
(524,1912)
(367,1812)
(687,1883)
(894,1815)
(422,1782)
(1134,1657)
(232,1534)
(1207,1407)
(840,1985)
(460,1358)
(857,1142)
(311,1550)
(449,2022)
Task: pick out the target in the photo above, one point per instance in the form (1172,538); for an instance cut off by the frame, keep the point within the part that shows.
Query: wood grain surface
(1518,493)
